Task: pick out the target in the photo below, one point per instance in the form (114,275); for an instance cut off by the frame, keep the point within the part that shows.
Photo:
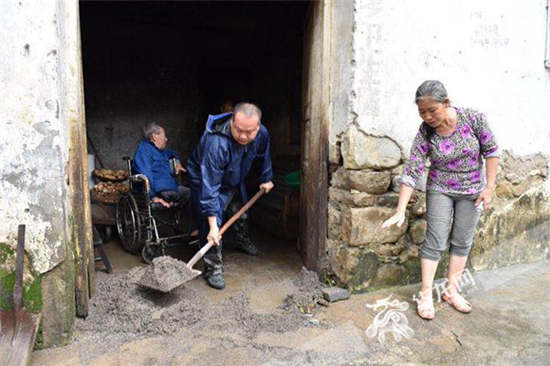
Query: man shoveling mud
(233,145)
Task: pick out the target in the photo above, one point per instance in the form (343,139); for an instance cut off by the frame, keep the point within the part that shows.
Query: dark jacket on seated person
(155,165)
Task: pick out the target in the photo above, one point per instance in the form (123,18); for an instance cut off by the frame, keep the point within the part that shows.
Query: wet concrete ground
(508,324)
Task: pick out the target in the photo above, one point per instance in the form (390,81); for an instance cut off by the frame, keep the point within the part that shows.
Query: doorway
(177,62)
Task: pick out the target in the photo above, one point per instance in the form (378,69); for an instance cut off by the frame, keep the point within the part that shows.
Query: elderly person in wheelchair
(153,161)
(156,200)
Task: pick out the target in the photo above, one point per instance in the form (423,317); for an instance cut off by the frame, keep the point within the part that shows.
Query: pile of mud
(119,306)
(126,309)
(307,295)
(165,274)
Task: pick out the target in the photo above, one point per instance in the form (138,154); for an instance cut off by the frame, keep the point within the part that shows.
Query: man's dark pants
(213,259)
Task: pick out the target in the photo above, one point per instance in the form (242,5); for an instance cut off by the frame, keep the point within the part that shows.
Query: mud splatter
(307,295)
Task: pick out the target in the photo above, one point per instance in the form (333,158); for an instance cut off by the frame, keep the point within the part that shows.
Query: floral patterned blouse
(456,160)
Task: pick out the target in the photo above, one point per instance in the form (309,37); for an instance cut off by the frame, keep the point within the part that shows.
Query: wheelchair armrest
(140,178)
(139,187)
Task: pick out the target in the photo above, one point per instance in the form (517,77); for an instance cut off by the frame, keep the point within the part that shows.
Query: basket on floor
(108,192)
(109,175)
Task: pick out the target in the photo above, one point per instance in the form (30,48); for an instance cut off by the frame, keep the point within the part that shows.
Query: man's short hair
(150,129)
(248,109)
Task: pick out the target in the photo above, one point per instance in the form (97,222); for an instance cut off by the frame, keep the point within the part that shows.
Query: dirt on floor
(308,294)
(123,308)
(508,326)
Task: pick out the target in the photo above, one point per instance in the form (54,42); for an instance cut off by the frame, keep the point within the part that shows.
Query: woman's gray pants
(449,214)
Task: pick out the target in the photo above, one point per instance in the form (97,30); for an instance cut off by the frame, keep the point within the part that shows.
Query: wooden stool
(98,245)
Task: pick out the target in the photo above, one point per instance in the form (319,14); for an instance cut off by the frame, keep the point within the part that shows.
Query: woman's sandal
(426,310)
(458,302)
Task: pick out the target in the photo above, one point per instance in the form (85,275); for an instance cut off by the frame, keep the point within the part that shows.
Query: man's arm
(213,234)
(266,173)
(212,169)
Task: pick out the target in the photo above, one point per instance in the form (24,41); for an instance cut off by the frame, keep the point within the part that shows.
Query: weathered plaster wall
(33,146)
(341,73)
(491,57)
(42,171)
(489,54)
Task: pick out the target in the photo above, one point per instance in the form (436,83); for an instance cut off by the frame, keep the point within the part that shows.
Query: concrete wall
(489,54)
(33,145)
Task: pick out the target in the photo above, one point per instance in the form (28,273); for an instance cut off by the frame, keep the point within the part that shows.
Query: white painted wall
(489,54)
(33,146)
(341,71)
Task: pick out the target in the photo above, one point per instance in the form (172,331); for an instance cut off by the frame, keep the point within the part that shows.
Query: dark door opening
(176,62)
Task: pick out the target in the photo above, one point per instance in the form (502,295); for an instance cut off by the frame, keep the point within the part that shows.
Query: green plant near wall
(32,292)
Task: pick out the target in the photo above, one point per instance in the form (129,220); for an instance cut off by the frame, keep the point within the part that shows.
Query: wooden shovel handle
(241,211)
(200,254)
(18,286)
(224,228)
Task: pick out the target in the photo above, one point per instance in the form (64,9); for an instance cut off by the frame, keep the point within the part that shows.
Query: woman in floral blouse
(455,141)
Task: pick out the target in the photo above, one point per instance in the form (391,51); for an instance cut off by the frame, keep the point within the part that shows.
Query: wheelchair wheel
(128,224)
(150,252)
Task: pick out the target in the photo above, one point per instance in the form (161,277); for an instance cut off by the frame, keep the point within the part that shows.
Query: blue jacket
(219,164)
(155,164)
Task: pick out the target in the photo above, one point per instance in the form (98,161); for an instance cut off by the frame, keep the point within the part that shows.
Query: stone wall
(363,193)
(361,197)
(517,228)
(517,174)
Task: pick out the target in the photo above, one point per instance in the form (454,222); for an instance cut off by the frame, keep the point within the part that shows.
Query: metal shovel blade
(165,274)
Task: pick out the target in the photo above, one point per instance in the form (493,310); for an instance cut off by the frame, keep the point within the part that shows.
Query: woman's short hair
(150,129)
(431,89)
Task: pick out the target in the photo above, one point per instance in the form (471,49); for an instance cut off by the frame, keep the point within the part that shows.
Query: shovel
(17,327)
(160,276)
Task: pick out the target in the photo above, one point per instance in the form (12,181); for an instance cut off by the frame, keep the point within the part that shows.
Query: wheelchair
(143,225)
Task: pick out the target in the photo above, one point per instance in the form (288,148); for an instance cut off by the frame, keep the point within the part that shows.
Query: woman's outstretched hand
(398,219)
(486,197)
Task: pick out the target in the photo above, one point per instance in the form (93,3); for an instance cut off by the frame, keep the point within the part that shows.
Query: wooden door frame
(315,137)
(80,223)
